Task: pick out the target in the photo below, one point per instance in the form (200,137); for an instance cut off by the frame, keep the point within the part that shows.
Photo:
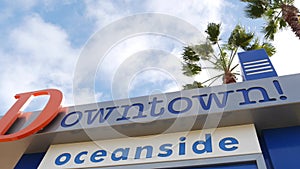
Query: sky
(104,50)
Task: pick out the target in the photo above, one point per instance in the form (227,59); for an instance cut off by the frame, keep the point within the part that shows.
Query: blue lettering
(227,144)
(60,161)
(110,110)
(206,145)
(122,152)
(246,92)
(171,105)
(182,146)
(167,149)
(100,113)
(278,88)
(153,107)
(91,119)
(126,109)
(77,159)
(214,97)
(139,151)
(141,110)
(96,156)
(78,116)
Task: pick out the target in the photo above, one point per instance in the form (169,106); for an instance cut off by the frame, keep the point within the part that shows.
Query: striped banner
(256,65)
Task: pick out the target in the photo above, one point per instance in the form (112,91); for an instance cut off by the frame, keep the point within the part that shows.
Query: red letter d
(45,117)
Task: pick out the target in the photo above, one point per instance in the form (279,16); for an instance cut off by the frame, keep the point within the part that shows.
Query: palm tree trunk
(229,78)
(290,15)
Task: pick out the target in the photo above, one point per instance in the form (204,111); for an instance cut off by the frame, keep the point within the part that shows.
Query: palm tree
(278,13)
(221,60)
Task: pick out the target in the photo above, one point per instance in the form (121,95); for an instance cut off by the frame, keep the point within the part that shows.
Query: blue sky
(43,40)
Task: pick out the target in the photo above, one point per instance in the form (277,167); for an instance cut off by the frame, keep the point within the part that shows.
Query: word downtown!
(174,106)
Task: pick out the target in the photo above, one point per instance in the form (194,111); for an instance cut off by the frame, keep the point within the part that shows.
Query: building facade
(249,125)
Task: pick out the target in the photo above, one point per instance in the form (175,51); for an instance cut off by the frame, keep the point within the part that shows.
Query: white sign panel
(200,144)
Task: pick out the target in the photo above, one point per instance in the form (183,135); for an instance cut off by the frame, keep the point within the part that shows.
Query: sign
(209,143)
(188,103)
(184,103)
(45,117)
(256,64)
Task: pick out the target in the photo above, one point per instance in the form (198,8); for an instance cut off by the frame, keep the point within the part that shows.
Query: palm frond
(190,69)
(240,38)
(213,31)
(270,49)
(204,50)
(190,55)
(194,85)
(254,11)
(223,59)
(270,29)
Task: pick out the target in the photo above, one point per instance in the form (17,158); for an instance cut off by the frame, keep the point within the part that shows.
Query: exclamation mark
(278,88)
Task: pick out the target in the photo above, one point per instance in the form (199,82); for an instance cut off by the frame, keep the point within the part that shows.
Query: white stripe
(257,61)
(260,64)
(259,72)
(258,68)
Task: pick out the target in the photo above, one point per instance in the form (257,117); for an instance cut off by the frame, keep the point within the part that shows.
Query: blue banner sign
(256,65)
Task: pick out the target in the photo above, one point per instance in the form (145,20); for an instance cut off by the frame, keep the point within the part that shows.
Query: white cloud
(22,4)
(297,3)
(40,57)
(198,13)
(44,42)
(286,60)
(124,67)
(147,71)
(86,96)
(104,11)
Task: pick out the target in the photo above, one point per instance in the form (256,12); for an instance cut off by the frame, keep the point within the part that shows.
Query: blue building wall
(30,161)
(283,147)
